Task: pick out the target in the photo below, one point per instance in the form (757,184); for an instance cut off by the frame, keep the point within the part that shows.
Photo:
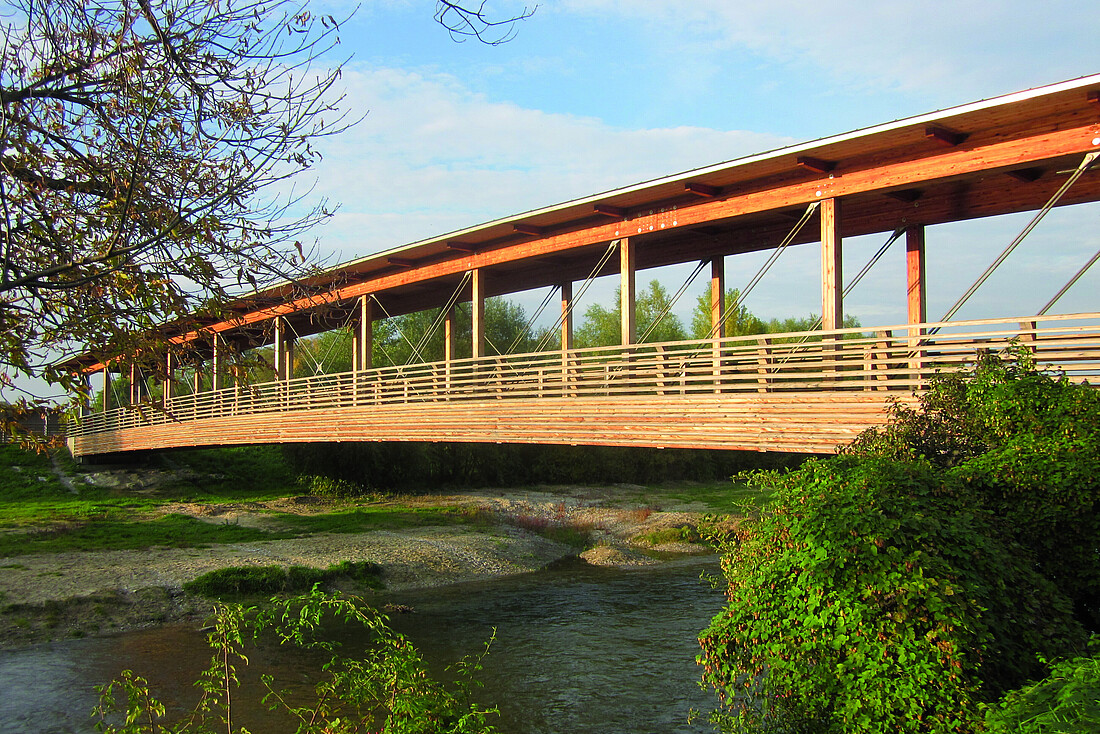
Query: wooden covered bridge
(806,392)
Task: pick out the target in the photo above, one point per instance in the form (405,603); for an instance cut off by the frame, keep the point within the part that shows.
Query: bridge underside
(794,422)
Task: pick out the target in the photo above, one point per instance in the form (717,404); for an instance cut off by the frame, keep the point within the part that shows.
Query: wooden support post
(169,377)
(135,382)
(718,314)
(366,333)
(106,387)
(217,364)
(764,363)
(86,406)
(916,292)
(477,307)
(450,332)
(628,320)
(284,351)
(566,332)
(832,286)
(832,282)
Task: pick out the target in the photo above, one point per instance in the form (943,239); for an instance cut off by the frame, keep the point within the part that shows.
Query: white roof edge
(1078,82)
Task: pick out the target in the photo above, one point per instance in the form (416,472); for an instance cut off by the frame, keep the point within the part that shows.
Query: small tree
(602,326)
(147,153)
(383,687)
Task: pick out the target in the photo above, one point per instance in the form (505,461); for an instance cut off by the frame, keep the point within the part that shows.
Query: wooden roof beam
(945,136)
(701,189)
(817,165)
(907,196)
(461,247)
(529,229)
(1026,175)
(1094,96)
(401,262)
(608,210)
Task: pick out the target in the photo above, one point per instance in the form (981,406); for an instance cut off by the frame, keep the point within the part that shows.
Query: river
(578,649)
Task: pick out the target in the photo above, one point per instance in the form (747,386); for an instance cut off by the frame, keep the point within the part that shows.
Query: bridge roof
(991,157)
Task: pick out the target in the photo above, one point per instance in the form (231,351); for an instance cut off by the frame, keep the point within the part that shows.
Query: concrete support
(832,287)
(628,320)
(477,308)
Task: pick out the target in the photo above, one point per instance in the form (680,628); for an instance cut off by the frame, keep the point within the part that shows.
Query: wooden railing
(898,359)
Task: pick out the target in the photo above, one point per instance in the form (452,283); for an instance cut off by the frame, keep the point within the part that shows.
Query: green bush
(1067,701)
(902,585)
(382,686)
(250,581)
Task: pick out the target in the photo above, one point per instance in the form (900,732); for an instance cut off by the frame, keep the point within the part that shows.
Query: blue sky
(591,95)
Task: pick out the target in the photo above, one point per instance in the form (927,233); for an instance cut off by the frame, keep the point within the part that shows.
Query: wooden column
(365,334)
(169,377)
(832,287)
(217,363)
(566,331)
(717,315)
(916,292)
(106,387)
(450,333)
(86,384)
(567,316)
(718,297)
(284,351)
(135,384)
(628,320)
(914,272)
(477,309)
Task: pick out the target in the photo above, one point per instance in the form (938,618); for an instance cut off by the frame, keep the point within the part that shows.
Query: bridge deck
(806,392)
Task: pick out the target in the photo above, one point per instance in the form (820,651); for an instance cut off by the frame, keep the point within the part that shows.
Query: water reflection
(579,649)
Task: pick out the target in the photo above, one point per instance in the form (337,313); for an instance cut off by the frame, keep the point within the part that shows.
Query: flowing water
(578,649)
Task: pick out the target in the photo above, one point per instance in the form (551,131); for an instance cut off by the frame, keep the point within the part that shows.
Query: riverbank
(49,596)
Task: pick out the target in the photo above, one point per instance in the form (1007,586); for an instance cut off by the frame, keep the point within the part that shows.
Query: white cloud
(433,156)
(936,47)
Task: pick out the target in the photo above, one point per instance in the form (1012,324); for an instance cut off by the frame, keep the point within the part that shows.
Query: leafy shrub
(384,687)
(1066,701)
(902,584)
(249,581)
(334,487)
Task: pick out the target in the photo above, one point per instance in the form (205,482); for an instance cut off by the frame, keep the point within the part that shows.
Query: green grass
(248,473)
(176,531)
(239,582)
(727,496)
